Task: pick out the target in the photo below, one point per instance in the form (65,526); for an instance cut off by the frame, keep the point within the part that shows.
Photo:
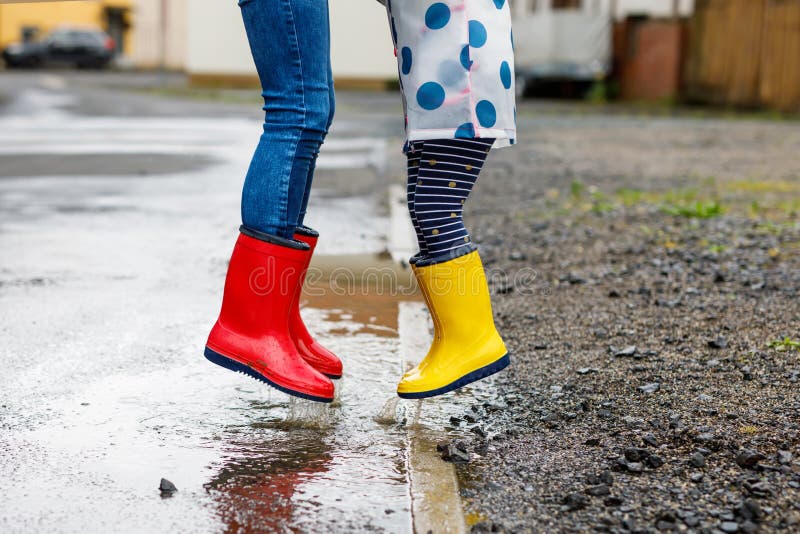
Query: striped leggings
(441,174)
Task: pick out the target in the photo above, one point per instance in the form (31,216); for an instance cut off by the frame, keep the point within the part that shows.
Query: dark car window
(87,39)
(75,38)
(60,38)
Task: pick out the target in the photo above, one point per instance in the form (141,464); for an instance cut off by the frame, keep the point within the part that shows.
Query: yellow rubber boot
(466,346)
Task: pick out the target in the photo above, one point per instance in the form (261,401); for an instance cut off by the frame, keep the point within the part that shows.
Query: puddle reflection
(295,465)
(257,479)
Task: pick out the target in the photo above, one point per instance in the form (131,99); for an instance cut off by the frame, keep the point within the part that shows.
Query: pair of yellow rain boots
(466,346)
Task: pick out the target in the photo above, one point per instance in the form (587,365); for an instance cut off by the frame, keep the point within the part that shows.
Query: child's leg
(290,52)
(326,41)
(447,171)
(414,155)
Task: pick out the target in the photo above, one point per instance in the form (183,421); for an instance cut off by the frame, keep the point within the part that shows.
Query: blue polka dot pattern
(477,34)
(466,62)
(486,113)
(437,16)
(430,96)
(505,74)
(465,131)
(454,85)
(451,73)
(406,60)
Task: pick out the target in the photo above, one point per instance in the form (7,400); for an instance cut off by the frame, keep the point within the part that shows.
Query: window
(567,4)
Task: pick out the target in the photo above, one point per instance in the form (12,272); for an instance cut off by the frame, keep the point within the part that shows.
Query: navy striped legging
(441,174)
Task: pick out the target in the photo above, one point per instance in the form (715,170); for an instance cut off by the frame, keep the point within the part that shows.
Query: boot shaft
(457,295)
(261,282)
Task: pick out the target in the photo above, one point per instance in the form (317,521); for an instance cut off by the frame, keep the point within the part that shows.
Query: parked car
(80,47)
(561,41)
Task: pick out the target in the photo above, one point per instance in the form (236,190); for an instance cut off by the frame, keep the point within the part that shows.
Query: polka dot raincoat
(456,65)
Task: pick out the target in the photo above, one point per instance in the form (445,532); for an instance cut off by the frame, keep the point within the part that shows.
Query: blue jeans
(290,42)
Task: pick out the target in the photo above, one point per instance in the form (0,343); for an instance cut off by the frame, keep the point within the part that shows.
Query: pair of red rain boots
(259,331)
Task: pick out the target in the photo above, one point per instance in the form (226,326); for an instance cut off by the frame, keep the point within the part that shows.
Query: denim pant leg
(312,168)
(290,43)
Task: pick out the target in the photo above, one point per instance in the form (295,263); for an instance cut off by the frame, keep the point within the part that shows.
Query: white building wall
(361,45)
(215,42)
(147,28)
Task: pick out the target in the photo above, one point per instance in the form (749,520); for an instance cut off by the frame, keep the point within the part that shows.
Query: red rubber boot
(315,354)
(251,335)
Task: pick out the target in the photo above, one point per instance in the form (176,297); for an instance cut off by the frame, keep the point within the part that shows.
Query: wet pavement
(115,232)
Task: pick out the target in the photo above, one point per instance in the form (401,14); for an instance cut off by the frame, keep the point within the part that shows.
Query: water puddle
(243,456)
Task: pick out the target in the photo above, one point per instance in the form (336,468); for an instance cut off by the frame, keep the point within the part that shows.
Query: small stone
(675,421)
(654,461)
(749,510)
(614,294)
(516,256)
(718,343)
(455,453)
(600,333)
(650,388)
(636,454)
(748,458)
(627,351)
(598,491)
(691,521)
(442,446)
(729,526)
(650,439)
(697,460)
(575,501)
(586,370)
(592,442)
(696,477)
(784,457)
(759,489)
(612,501)
(705,437)
(167,488)
(575,278)
(634,467)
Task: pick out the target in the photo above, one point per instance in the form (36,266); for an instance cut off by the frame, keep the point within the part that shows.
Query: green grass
(786,344)
(700,209)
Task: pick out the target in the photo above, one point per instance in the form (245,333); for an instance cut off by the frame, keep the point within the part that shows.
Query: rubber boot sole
(474,376)
(238,367)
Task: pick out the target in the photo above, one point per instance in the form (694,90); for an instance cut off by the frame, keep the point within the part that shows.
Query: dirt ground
(656,364)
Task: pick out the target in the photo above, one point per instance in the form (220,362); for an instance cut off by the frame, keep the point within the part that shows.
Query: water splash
(303,413)
(338,385)
(416,414)
(388,414)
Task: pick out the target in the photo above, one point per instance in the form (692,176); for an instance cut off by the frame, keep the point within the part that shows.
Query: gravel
(657,328)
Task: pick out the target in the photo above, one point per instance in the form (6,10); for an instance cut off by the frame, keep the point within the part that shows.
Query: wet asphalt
(118,213)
